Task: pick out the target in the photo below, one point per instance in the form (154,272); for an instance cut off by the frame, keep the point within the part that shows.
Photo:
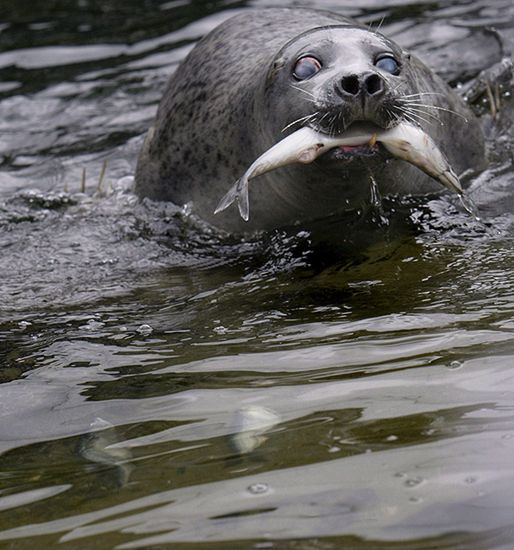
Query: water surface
(165,386)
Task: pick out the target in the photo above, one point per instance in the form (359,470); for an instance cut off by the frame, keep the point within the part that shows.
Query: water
(164,386)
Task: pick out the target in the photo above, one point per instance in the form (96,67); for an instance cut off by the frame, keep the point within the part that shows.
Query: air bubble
(145,330)
(454,365)
(92,325)
(414,481)
(258,488)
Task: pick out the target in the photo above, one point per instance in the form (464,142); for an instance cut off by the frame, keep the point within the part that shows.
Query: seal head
(344,74)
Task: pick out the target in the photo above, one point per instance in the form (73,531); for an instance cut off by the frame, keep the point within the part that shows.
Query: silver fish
(99,446)
(252,423)
(405,141)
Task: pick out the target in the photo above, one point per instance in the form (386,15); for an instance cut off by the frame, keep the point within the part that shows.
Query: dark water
(164,386)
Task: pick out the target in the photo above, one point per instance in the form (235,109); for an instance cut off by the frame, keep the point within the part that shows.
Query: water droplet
(145,330)
(414,481)
(187,209)
(92,325)
(109,261)
(334,449)
(220,330)
(469,206)
(123,185)
(453,365)
(24,324)
(258,488)
(392,438)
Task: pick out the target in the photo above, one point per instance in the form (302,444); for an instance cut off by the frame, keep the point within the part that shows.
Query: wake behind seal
(264,75)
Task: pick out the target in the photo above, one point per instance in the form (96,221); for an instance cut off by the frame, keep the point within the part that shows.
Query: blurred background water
(165,386)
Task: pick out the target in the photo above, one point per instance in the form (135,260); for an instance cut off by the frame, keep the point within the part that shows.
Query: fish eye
(306,67)
(388,64)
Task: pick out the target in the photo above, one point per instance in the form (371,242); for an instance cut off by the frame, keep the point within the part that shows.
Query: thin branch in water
(83,181)
(101,178)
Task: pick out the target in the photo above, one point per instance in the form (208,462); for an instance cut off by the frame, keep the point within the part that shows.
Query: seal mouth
(349,153)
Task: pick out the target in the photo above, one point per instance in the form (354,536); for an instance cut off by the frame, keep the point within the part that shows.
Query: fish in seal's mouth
(405,141)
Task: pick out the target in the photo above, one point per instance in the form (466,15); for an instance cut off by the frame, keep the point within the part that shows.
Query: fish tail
(243,203)
(450,179)
(237,193)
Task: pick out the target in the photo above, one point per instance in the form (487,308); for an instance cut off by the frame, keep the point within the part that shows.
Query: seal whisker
(409,117)
(310,95)
(381,22)
(421,109)
(436,107)
(419,94)
(325,122)
(414,111)
(422,116)
(298,120)
(323,117)
(412,117)
(332,131)
(394,116)
(340,118)
(419,116)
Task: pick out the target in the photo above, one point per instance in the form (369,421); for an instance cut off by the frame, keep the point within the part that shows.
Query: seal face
(351,76)
(264,74)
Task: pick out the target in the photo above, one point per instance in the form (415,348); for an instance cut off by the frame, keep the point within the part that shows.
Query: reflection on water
(167,386)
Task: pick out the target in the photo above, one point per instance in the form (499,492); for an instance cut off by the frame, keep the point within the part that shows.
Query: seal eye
(388,64)
(306,67)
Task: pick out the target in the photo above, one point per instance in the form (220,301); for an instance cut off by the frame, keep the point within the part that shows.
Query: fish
(405,141)
(99,446)
(251,424)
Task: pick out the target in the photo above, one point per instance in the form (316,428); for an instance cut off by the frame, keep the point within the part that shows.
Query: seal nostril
(373,84)
(350,84)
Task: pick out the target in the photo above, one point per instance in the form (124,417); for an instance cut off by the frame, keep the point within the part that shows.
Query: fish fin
(237,193)
(450,180)
(228,199)
(243,203)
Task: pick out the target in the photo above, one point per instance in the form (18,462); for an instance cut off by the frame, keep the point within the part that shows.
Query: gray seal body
(240,91)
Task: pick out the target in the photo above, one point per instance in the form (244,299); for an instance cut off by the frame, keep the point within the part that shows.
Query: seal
(265,74)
